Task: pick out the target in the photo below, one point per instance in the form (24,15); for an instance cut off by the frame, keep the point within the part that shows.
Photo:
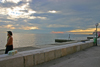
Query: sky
(49,16)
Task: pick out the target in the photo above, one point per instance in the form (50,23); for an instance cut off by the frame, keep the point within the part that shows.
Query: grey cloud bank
(45,16)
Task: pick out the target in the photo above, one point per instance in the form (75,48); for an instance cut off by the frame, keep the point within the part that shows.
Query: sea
(26,39)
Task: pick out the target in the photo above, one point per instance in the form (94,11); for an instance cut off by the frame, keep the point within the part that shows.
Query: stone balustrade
(38,56)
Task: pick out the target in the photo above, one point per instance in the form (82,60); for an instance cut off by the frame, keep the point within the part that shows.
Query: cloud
(19,12)
(14,1)
(7,26)
(59,32)
(98,24)
(28,28)
(27,17)
(2,1)
(53,11)
(5,21)
(57,25)
(21,27)
(50,15)
(16,10)
(86,31)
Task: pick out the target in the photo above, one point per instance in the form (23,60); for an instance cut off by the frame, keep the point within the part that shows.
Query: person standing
(9,45)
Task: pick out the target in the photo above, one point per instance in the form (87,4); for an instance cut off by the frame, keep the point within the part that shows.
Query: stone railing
(38,56)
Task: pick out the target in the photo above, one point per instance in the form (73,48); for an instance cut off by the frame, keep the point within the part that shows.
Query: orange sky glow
(57,32)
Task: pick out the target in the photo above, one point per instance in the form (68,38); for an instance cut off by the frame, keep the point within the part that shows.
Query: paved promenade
(86,58)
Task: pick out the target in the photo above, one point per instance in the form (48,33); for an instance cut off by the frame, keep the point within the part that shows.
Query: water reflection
(23,40)
(3,40)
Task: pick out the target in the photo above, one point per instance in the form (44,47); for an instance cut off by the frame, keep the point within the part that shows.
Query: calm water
(23,40)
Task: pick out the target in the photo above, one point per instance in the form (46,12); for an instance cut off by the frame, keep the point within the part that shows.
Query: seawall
(38,56)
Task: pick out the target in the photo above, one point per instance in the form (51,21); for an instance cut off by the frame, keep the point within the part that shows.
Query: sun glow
(86,31)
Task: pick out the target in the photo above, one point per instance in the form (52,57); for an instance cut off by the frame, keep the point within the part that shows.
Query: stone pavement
(86,58)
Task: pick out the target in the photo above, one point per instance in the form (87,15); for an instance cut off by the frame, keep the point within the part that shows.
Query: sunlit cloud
(28,0)
(38,17)
(14,1)
(86,31)
(2,1)
(17,12)
(53,11)
(98,23)
(83,33)
(19,27)
(28,28)
(59,32)
(41,17)
(7,26)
